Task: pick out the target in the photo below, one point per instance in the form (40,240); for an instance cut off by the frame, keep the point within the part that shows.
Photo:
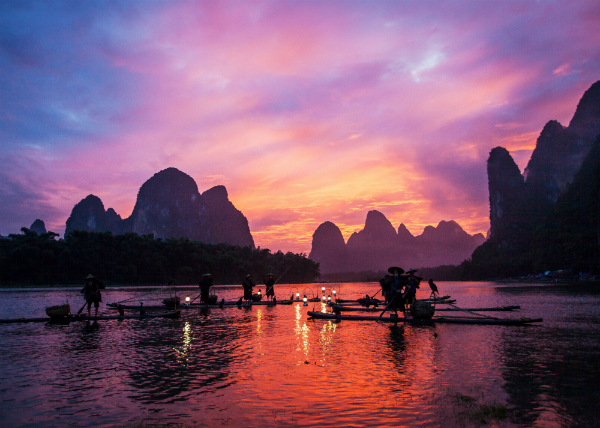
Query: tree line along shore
(32,259)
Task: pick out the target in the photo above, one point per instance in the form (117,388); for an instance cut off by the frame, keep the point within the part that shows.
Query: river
(270,366)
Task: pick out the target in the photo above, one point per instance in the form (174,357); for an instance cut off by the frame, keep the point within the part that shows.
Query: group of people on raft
(249,285)
(92,296)
(399,288)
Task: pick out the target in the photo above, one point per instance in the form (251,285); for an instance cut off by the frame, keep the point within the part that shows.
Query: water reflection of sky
(273,366)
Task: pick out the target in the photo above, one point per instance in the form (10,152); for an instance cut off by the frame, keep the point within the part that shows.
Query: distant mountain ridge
(169,205)
(379,246)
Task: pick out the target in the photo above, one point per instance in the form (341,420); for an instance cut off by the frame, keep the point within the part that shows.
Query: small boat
(84,317)
(435,320)
(58,311)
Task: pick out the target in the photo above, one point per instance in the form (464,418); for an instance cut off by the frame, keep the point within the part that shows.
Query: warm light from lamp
(297,295)
(305,299)
(259,292)
(323,297)
(323,289)
(329,298)
(333,293)
(187,298)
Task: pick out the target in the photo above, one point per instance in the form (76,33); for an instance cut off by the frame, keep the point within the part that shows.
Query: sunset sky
(306,111)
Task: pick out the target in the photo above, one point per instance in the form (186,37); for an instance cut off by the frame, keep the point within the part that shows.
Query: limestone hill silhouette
(169,205)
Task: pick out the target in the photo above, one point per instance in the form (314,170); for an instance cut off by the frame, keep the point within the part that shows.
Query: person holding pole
(270,284)
(91,293)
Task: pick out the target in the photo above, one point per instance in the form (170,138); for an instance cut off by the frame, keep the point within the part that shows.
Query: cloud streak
(306,111)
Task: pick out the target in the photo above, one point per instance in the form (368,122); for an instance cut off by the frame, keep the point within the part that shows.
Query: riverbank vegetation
(29,258)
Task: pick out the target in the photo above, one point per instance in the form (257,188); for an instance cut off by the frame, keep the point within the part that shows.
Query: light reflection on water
(271,366)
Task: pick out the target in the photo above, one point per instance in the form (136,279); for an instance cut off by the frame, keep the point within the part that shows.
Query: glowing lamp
(329,298)
(297,296)
(259,292)
(324,297)
(333,293)
(305,299)
(187,299)
(323,289)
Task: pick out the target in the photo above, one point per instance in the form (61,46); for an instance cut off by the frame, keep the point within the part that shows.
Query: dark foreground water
(269,366)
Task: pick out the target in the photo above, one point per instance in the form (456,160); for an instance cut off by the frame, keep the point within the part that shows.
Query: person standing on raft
(91,293)
(270,284)
(205,284)
(386,287)
(411,288)
(248,286)
(396,287)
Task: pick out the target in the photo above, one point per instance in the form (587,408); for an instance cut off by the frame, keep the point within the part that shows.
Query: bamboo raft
(496,309)
(229,304)
(382,302)
(434,320)
(72,318)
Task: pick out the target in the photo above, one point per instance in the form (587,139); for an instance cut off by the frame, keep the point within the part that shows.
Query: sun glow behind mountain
(305,111)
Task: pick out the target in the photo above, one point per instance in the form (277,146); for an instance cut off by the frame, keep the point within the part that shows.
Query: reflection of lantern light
(187,298)
(297,296)
(329,298)
(323,289)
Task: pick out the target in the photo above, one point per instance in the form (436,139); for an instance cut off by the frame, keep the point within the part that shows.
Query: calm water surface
(270,366)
